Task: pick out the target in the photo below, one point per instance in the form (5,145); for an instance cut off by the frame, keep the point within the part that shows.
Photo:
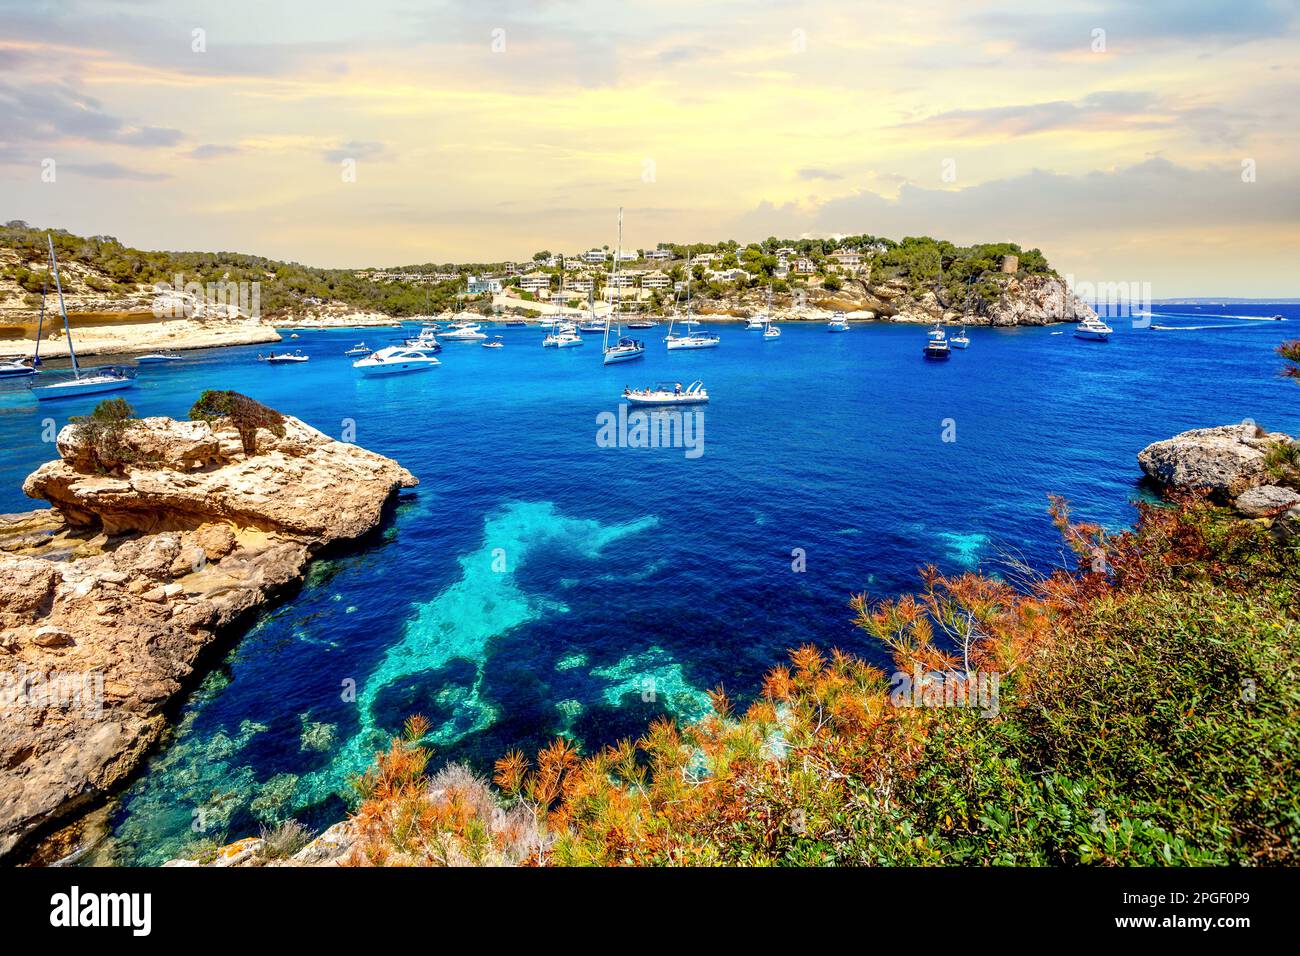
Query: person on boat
(678,389)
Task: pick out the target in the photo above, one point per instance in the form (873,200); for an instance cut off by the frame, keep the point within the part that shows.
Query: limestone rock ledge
(108,599)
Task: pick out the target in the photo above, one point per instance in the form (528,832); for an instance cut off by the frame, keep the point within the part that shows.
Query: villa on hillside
(655,280)
(658,255)
(593,255)
(785,252)
(478,285)
(704,258)
(803,266)
(535,282)
(848,259)
(578,283)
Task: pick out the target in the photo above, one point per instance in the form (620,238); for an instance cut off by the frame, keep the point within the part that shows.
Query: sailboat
(18,367)
(961,340)
(691,340)
(770,332)
(624,349)
(94,380)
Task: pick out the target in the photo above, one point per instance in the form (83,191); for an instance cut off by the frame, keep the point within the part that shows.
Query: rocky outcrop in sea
(152,549)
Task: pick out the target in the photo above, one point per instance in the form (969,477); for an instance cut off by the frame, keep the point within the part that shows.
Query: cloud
(53,113)
(356,149)
(1149,196)
(110,170)
(213,151)
(817,172)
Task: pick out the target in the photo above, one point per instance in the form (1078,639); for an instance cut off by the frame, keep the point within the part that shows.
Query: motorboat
(464,332)
(15,368)
(394,360)
(514,323)
(839,323)
(755,323)
(642,325)
(961,340)
(90,382)
(157,358)
(1093,329)
(496,342)
(936,346)
(667,393)
(283,358)
(359,349)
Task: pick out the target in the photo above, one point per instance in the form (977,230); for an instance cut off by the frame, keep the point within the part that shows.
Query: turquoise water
(537,583)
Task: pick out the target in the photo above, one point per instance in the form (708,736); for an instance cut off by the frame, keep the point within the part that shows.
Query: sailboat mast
(40,325)
(67,330)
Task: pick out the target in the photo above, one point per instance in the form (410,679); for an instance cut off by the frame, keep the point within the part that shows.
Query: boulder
(1226,460)
(1266,501)
(150,564)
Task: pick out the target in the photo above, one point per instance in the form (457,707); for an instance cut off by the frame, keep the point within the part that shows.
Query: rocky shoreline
(156,545)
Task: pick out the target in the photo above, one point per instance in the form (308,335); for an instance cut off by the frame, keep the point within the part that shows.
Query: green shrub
(247,415)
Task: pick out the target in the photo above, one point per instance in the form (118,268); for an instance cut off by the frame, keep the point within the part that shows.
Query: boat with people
(1093,329)
(961,340)
(936,345)
(464,332)
(90,382)
(839,323)
(394,360)
(283,358)
(496,342)
(359,349)
(625,348)
(157,358)
(667,393)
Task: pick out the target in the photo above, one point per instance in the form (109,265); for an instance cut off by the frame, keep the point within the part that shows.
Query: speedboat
(92,381)
(936,346)
(1093,329)
(283,358)
(839,323)
(667,393)
(496,342)
(755,323)
(642,325)
(14,368)
(157,358)
(359,349)
(514,323)
(464,332)
(961,340)
(624,350)
(426,341)
(394,360)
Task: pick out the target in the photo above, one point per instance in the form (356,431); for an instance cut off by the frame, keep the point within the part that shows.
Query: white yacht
(157,358)
(691,340)
(936,345)
(394,360)
(755,323)
(464,332)
(357,350)
(562,336)
(496,342)
(14,368)
(283,358)
(839,323)
(87,383)
(667,393)
(1093,328)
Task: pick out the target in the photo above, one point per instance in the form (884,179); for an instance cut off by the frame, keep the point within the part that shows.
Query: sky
(1146,142)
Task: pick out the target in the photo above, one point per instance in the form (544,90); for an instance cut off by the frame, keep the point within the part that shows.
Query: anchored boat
(624,349)
(395,360)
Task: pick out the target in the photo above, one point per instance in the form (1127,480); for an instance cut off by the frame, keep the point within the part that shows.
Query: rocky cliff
(151,551)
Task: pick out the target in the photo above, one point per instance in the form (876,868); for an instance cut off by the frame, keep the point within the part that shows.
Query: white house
(785,252)
(704,258)
(535,282)
(849,259)
(655,280)
(480,284)
(658,255)
(803,265)
(593,255)
(578,283)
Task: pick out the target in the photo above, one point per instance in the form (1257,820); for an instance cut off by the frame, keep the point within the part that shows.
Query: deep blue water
(635,579)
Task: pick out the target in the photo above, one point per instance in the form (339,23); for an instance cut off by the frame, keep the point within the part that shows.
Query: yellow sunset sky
(1118,137)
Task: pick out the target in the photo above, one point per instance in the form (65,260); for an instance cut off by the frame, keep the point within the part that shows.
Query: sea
(551,575)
